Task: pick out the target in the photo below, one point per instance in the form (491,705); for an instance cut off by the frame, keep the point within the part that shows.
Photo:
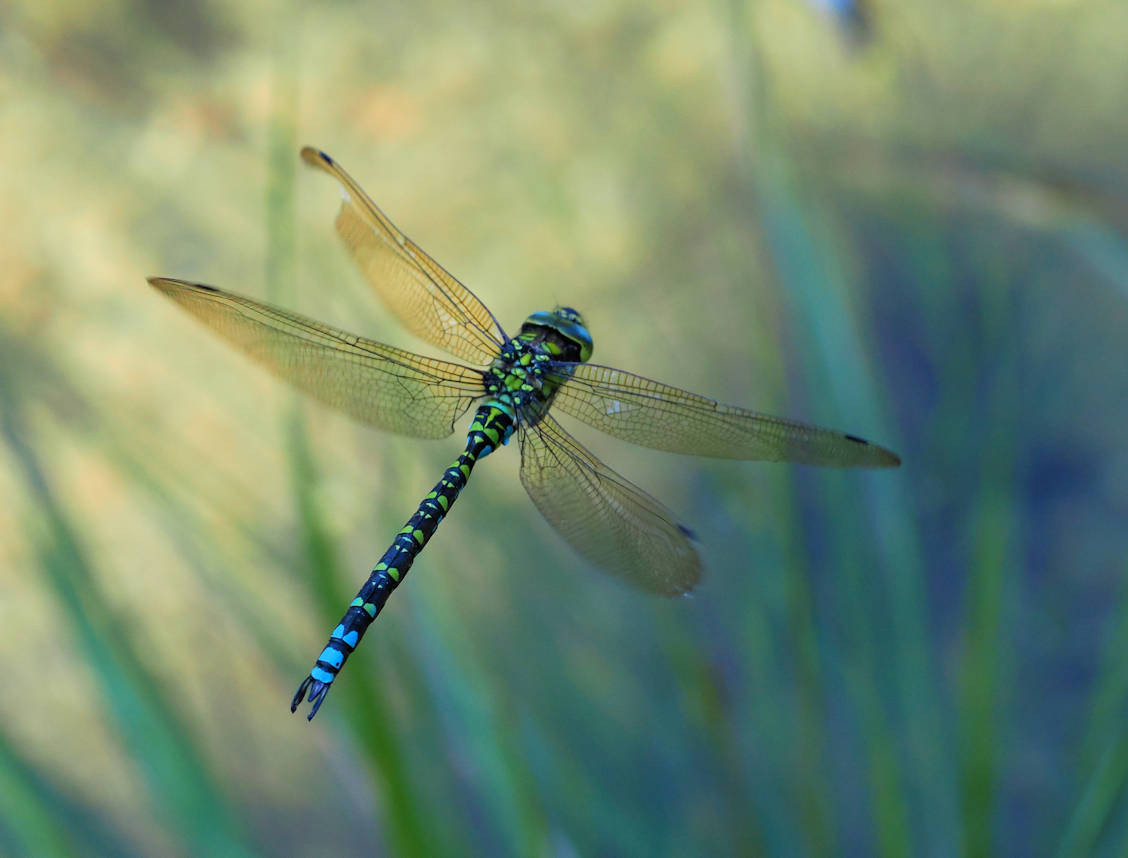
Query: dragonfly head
(568,326)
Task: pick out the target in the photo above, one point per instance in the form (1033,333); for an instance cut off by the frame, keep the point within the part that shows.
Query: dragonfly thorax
(523,379)
(516,380)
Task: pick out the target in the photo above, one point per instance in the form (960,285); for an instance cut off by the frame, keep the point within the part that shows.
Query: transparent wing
(657,415)
(374,383)
(429,302)
(610,521)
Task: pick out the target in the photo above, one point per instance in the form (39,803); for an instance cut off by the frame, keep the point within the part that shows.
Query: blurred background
(905,220)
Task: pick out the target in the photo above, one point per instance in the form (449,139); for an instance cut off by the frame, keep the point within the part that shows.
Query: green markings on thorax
(520,378)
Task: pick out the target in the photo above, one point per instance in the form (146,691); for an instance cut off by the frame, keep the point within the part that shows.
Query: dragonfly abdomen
(492,427)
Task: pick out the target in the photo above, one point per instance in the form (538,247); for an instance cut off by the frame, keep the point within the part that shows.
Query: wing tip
(168,285)
(885,458)
(316,158)
(686,589)
(164,285)
(683,585)
(881,458)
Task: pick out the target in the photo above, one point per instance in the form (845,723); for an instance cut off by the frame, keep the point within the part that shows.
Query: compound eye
(583,339)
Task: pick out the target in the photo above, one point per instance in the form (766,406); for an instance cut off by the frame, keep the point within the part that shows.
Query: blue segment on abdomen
(350,640)
(332,655)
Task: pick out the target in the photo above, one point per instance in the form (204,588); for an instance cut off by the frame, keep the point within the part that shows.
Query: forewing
(610,521)
(657,415)
(429,302)
(374,383)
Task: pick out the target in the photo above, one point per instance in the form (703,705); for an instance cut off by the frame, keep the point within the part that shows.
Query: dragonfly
(519,383)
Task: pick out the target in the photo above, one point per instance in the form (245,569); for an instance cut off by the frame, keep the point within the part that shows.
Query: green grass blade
(44,818)
(182,788)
